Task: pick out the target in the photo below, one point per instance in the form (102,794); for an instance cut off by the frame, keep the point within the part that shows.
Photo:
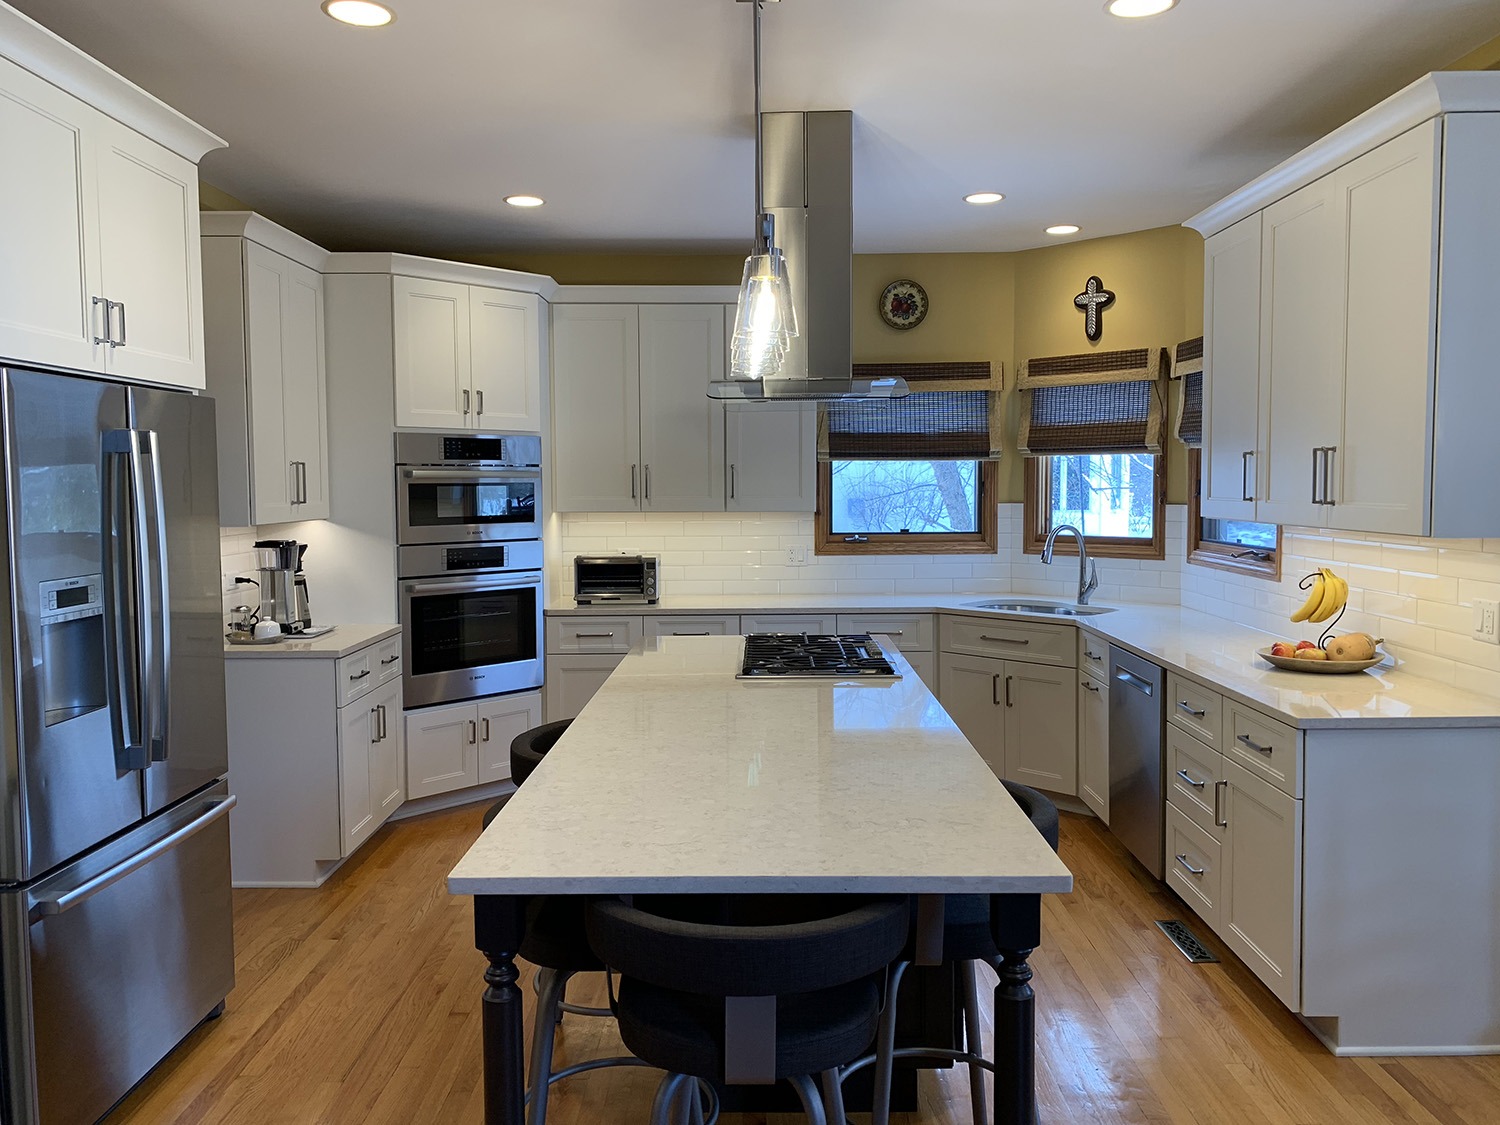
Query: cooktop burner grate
(813,655)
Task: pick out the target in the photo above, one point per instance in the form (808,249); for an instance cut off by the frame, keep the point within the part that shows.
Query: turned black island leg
(499,925)
(1015,1041)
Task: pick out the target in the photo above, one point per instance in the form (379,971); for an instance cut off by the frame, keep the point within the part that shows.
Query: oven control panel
(474,558)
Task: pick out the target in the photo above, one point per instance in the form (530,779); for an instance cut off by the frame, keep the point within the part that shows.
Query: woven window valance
(1099,402)
(1187,366)
(952,414)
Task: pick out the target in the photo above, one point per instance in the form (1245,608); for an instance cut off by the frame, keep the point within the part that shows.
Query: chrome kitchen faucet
(1088,573)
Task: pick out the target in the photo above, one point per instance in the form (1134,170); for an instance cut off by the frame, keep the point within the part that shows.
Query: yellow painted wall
(211,198)
(1486,56)
(623,269)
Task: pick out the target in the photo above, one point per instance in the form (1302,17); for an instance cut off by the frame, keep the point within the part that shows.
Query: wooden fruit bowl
(1325,667)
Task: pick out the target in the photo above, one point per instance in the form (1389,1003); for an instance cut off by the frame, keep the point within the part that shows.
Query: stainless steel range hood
(809,188)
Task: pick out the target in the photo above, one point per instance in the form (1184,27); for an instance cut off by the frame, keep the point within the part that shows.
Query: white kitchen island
(678,777)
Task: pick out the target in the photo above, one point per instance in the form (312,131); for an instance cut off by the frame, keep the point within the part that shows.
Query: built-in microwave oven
(615,578)
(467,488)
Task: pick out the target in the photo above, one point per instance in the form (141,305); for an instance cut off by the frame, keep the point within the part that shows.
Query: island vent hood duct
(809,187)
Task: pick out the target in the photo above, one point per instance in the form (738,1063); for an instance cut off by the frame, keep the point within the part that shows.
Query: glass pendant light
(764,318)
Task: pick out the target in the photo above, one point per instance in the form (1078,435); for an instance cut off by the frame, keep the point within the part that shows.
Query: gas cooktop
(801,656)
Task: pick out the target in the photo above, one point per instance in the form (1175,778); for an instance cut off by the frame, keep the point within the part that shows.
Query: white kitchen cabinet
(467,357)
(695,625)
(1231,370)
(1093,744)
(682,429)
(925,665)
(101,271)
(596,404)
(316,759)
(573,680)
(264,342)
(771,450)
(460,745)
(1021,717)
(789,623)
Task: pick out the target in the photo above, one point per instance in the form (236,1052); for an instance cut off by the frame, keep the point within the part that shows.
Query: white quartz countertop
(330,646)
(678,777)
(1215,652)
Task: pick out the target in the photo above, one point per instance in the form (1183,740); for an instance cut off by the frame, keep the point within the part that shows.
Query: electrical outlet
(796,556)
(1486,625)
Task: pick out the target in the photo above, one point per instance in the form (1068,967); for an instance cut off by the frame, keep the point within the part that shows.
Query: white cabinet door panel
(273,478)
(572,681)
(47,275)
(971,687)
(1231,370)
(1260,916)
(432,360)
(149,257)
(305,408)
(596,413)
(682,429)
(1041,726)
(387,752)
(1093,745)
(357,726)
(500,720)
(441,750)
(771,449)
(505,359)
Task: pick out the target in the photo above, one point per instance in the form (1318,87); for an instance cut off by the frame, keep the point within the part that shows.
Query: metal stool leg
(973,1022)
(885,1044)
(833,1097)
(666,1100)
(812,1105)
(550,987)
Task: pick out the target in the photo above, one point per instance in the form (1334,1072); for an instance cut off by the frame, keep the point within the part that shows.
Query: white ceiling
(633,119)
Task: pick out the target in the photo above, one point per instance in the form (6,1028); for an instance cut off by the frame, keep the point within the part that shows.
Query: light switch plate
(1486,625)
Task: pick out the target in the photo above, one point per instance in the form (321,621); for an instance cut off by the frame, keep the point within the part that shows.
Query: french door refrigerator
(115,925)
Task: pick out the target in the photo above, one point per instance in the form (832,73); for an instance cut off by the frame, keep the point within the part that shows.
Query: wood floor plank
(358,1004)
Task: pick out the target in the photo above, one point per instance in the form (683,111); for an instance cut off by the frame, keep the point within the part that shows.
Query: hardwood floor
(358,1003)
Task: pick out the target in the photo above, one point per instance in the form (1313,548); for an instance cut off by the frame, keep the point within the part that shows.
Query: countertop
(330,646)
(678,777)
(1217,653)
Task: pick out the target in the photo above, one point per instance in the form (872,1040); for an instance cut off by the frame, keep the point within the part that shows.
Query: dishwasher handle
(1130,679)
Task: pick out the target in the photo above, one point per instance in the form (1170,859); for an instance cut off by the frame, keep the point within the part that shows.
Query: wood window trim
(985,541)
(1221,556)
(1035,509)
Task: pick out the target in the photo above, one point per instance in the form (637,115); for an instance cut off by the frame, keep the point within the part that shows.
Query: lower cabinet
(573,680)
(372,781)
(461,745)
(1021,717)
(1093,744)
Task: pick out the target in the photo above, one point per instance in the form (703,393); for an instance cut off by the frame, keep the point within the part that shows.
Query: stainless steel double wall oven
(469,564)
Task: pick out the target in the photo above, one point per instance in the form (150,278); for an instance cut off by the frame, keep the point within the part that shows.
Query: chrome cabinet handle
(302,469)
(1328,453)
(1002,640)
(292,470)
(1182,859)
(485,737)
(731,481)
(701,633)
(1317,449)
(1219,818)
(359,676)
(647,477)
(478,403)
(473,732)
(466,400)
(1086,686)
(1250,742)
(1188,707)
(1245,493)
(120,343)
(391,659)
(1008,702)
(1187,777)
(383,731)
(107,339)
(632,482)
(374,724)
(593,636)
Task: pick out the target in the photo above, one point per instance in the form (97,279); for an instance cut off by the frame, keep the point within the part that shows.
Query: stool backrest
(529,747)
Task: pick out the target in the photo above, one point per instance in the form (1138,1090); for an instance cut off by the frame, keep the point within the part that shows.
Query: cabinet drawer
(1196,710)
(387,660)
(356,675)
(592,634)
(1194,776)
(1013,640)
(1193,865)
(789,623)
(677,625)
(912,632)
(1266,748)
(1093,654)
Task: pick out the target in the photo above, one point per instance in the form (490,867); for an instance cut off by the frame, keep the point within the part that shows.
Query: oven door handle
(472,585)
(471,476)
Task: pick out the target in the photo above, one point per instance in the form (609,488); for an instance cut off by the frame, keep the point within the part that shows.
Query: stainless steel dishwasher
(1136,756)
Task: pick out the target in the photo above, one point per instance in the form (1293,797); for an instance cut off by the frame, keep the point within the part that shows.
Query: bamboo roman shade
(1187,366)
(1099,402)
(952,414)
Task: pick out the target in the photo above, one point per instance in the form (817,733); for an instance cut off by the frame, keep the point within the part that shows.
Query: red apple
(1283,648)
(1305,644)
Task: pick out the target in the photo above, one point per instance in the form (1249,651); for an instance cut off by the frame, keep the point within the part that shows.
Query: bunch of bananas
(1326,595)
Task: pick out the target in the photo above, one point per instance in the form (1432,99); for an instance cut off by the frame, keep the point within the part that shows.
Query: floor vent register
(1185,940)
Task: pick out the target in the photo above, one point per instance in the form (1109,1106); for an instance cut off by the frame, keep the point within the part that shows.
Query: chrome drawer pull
(1092,655)
(1182,859)
(1189,779)
(593,636)
(1002,640)
(701,633)
(359,676)
(391,659)
(1219,788)
(1248,741)
(1188,707)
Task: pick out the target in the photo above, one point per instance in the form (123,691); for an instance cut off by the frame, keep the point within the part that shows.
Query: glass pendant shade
(764,318)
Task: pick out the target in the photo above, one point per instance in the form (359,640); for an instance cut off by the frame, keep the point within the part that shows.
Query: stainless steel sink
(1052,608)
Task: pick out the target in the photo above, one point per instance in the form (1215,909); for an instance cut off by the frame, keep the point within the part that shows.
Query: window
(914,475)
(1238,545)
(1116,499)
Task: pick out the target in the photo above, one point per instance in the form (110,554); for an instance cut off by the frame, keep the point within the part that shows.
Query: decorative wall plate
(903,304)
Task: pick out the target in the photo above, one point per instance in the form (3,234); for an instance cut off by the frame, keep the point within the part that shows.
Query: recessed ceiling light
(525,200)
(1137,9)
(984,197)
(1063,228)
(360,13)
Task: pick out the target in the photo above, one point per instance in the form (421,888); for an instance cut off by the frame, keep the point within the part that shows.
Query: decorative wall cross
(1093,301)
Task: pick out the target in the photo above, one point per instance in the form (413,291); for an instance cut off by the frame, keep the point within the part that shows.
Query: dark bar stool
(749,1003)
(968,938)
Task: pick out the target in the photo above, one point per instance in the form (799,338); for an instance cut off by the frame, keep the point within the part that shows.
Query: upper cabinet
(634,429)
(266,369)
(1344,323)
(101,271)
(467,357)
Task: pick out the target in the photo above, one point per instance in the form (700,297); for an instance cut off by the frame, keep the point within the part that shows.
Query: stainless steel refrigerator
(115,925)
